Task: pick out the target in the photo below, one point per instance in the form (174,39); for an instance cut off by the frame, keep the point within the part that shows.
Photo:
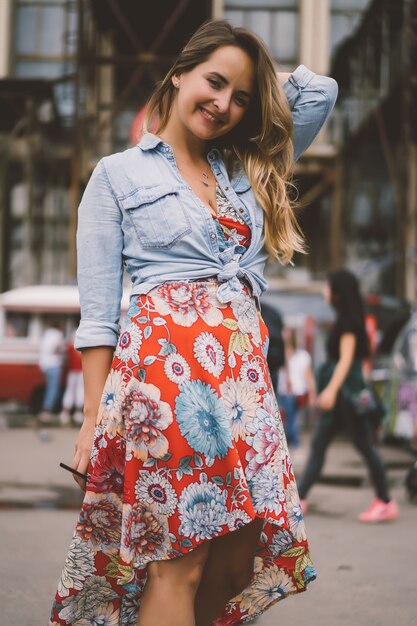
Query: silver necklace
(204,180)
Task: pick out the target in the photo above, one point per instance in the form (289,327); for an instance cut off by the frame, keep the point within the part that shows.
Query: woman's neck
(186,146)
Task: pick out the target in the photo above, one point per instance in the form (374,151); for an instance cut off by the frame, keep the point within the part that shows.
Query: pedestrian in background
(51,360)
(182,440)
(73,399)
(338,378)
(297,387)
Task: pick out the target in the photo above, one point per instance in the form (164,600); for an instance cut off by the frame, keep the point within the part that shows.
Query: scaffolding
(377,77)
(122,49)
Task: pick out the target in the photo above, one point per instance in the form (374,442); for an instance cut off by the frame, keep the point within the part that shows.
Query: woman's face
(213,97)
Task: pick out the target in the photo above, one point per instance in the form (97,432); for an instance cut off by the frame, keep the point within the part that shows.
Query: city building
(75,73)
(377,76)
(37,65)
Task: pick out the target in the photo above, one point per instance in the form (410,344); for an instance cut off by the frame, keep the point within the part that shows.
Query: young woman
(191,512)
(342,375)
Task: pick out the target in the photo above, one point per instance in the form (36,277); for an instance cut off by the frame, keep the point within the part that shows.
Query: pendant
(205,180)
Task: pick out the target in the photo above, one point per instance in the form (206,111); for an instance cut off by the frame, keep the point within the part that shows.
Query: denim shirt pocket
(157,215)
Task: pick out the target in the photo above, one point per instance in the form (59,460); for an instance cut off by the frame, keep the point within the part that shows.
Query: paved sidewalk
(367,574)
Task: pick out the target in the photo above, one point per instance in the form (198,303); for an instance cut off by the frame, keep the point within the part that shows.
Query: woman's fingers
(80,463)
(81,459)
(81,482)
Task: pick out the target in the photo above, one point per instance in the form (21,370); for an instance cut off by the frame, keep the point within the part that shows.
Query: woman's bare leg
(227,571)
(168,597)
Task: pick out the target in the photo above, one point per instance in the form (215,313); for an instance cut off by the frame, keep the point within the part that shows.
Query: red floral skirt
(188,446)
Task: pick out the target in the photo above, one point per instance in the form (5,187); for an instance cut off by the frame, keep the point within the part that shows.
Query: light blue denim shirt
(138,211)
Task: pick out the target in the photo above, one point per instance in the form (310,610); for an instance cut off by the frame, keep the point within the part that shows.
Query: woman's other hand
(96,366)
(327,399)
(83,447)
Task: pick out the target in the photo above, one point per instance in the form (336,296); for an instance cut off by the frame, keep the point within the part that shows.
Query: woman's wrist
(90,414)
(334,389)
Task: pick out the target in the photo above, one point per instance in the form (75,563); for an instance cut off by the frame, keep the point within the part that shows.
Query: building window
(45,40)
(345,17)
(276,25)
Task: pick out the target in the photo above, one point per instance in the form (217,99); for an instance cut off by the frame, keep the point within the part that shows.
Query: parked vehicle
(24,314)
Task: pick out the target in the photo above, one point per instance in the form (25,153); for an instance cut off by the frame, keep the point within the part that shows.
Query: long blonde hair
(262,142)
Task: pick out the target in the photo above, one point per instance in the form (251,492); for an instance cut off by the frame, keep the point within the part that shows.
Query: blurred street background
(75,76)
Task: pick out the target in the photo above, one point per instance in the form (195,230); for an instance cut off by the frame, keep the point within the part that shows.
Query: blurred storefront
(377,77)
(75,73)
(37,60)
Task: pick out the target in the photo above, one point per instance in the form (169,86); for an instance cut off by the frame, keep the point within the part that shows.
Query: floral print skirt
(188,446)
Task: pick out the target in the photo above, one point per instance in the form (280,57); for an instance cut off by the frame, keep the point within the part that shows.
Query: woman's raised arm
(311,98)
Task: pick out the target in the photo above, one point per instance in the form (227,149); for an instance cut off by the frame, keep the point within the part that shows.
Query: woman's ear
(175,81)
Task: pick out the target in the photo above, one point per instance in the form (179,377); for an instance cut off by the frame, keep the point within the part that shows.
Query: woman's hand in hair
(327,399)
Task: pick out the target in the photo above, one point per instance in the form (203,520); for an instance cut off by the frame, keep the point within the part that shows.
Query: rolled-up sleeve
(100,263)
(311,98)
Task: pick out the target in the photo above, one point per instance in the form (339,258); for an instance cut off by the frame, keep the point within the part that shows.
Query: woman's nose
(222,101)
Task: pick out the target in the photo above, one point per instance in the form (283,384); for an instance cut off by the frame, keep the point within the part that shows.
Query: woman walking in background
(341,376)
(188,471)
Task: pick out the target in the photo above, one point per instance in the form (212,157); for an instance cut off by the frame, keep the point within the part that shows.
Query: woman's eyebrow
(226,82)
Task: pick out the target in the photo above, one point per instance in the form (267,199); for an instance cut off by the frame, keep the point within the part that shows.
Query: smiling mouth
(209,116)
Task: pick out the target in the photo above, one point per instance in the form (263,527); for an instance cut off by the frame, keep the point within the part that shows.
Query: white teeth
(208,115)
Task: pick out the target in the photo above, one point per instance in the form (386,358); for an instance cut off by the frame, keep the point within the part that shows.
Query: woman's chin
(206,133)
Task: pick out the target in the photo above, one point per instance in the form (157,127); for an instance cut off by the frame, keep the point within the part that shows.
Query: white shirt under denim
(137,210)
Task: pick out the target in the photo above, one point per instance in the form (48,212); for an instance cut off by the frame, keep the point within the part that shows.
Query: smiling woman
(190,495)
(211,100)
(221,98)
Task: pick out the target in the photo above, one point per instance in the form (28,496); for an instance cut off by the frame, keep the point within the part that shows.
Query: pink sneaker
(304,506)
(380,511)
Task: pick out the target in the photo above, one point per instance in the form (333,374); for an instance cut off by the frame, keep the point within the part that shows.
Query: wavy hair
(261,143)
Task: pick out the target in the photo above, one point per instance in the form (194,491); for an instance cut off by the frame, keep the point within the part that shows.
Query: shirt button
(226,188)
(213,236)
(241,210)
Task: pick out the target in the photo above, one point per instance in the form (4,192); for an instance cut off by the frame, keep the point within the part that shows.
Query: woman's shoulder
(114,161)
(130,171)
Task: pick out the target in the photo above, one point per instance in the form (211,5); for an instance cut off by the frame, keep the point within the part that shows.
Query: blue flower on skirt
(202,419)
(202,509)
(282,540)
